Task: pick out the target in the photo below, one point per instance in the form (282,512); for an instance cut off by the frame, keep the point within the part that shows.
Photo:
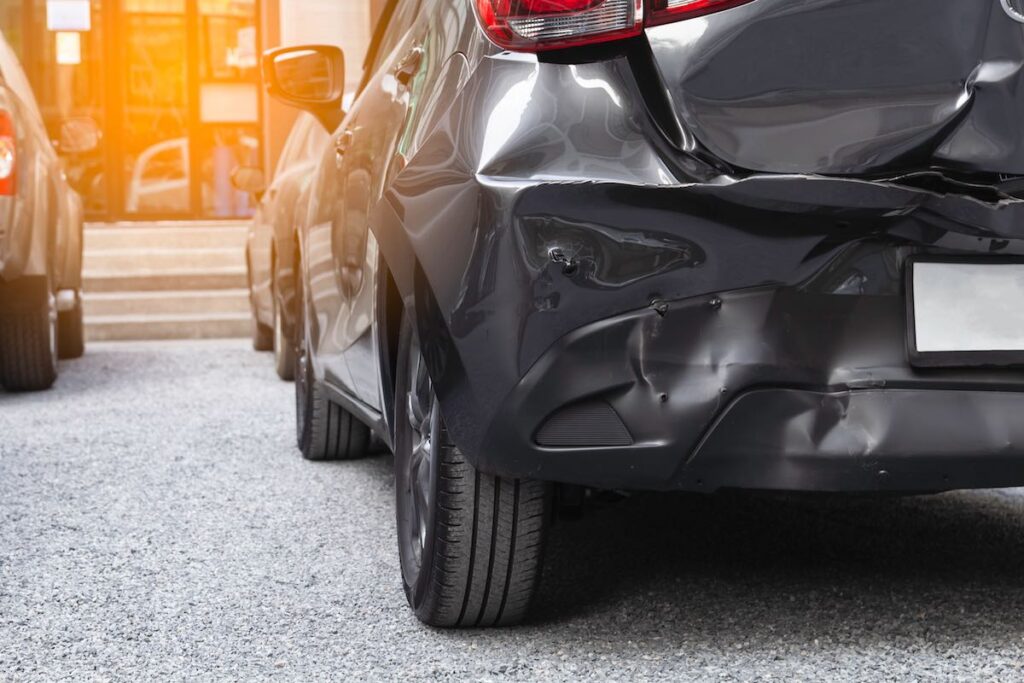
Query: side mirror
(78,136)
(249,179)
(310,77)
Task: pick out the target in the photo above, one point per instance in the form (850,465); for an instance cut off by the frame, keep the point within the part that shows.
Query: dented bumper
(745,334)
(769,388)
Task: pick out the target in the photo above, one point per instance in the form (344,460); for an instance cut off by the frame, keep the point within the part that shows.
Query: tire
(71,331)
(284,349)
(262,336)
(325,430)
(28,347)
(470,544)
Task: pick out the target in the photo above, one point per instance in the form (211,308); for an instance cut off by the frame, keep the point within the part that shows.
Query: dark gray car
(270,246)
(659,244)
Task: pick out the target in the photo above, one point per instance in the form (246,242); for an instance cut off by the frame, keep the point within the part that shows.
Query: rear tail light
(534,25)
(538,25)
(8,155)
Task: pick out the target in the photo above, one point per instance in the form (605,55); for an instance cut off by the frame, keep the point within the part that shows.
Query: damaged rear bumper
(763,389)
(747,334)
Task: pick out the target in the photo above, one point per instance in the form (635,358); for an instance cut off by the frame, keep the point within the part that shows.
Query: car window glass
(294,145)
(398,26)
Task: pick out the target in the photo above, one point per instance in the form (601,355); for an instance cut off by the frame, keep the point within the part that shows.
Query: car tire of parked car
(71,331)
(470,544)
(262,336)
(284,350)
(28,347)
(325,430)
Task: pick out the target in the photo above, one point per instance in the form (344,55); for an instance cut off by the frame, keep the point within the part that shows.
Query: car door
(293,160)
(366,156)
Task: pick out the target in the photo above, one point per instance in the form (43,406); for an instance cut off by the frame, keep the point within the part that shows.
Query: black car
(659,244)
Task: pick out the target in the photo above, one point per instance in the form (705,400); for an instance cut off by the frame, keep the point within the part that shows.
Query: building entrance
(173,85)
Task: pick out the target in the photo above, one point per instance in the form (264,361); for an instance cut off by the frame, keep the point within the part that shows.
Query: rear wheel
(71,331)
(28,347)
(470,543)
(325,430)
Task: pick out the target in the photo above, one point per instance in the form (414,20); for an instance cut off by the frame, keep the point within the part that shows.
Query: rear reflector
(8,155)
(538,25)
(534,25)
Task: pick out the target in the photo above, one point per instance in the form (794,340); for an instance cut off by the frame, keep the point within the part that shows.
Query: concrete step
(108,236)
(157,260)
(197,302)
(133,327)
(176,280)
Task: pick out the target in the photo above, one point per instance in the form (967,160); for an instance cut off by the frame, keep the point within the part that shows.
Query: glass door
(227,131)
(191,106)
(155,135)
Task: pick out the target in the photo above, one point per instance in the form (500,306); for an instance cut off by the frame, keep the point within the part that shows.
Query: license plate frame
(932,356)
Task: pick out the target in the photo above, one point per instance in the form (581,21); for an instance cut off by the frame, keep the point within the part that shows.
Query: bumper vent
(590,423)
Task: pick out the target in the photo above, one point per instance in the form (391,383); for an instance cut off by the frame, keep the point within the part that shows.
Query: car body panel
(617,227)
(839,87)
(271,233)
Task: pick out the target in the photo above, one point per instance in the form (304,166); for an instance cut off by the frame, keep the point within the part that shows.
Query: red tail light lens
(538,25)
(665,11)
(535,25)
(8,155)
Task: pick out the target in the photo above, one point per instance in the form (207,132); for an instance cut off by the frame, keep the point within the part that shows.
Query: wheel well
(390,309)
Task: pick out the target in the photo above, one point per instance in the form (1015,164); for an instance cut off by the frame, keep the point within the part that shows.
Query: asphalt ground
(157,523)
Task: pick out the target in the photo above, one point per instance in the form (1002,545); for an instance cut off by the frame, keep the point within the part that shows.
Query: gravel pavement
(157,522)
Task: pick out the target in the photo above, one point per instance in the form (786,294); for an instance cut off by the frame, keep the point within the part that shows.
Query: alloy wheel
(416,467)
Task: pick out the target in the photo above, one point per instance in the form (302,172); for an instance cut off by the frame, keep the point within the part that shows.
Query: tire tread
(488,550)
(26,363)
(332,433)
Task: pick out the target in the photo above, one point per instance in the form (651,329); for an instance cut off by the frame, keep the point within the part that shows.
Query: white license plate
(968,309)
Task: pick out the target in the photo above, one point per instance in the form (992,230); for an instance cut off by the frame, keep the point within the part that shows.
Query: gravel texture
(157,522)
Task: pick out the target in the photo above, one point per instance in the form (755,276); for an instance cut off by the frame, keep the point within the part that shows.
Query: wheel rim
(416,470)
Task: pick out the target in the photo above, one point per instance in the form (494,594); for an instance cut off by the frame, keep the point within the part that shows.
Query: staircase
(178,280)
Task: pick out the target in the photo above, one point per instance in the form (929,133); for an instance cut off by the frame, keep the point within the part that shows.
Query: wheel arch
(401,286)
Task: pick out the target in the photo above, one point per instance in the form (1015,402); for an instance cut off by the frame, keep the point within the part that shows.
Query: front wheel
(325,430)
(470,544)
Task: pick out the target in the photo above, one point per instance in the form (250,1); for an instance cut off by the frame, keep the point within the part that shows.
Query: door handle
(343,142)
(341,145)
(408,66)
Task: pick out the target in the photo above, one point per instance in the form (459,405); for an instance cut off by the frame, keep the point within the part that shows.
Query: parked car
(270,245)
(40,237)
(704,245)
